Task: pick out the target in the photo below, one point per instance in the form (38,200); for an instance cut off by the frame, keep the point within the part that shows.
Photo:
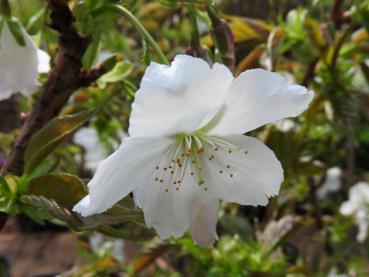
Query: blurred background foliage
(322,44)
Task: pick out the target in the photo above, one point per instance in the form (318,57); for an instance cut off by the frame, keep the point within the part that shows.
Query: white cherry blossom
(332,182)
(186,151)
(19,65)
(88,138)
(358,207)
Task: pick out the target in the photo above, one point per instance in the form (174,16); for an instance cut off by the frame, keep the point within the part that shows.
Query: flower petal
(248,175)
(18,65)
(122,172)
(258,97)
(180,98)
(43,61)
(166,209)
(204,215)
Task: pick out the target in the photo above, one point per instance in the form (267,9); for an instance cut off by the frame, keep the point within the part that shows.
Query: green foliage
(120,72)
(44,141)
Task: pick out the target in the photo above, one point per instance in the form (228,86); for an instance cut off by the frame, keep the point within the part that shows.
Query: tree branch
(65,77)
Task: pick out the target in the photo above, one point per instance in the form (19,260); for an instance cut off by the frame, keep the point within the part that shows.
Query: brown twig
(338,15)
(9,116)
(65,78)
(310,72)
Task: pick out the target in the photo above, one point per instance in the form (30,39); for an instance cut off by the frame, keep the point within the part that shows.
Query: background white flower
(19,66)
(358,207)
(186,151)
(88,138)
(332,182)
(333,273)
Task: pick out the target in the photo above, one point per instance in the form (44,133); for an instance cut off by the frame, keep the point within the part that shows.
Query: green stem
(5,8)
(139,27)
(213,15)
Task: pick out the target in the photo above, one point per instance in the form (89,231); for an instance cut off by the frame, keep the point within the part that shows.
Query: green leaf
(35,21)
(171,3)
(53,208)
(92,52)
(50,136)
(2,182)
(120,71)
(146,53)
(65,189)
(5,8)
(17,30)
(58,193)
(7,196)
(109,63)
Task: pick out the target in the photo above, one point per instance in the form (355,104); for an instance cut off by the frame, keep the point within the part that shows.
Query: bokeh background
(321,44)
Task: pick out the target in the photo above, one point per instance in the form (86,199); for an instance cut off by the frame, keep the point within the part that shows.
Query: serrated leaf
(121,212)
(65,189)
(49,137)
(52,207)
(120,71)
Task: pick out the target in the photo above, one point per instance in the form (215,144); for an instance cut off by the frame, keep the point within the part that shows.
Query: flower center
(187,155)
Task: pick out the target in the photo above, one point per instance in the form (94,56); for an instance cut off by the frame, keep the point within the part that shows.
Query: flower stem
(139,27)
(5,8)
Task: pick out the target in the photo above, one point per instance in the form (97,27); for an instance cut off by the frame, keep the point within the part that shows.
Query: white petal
(204,214)
(248,179)
(122,172)
(166,209)
(43,61)
(332,182)
(18,65)
(180,98)
(258,97)
(347,208)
